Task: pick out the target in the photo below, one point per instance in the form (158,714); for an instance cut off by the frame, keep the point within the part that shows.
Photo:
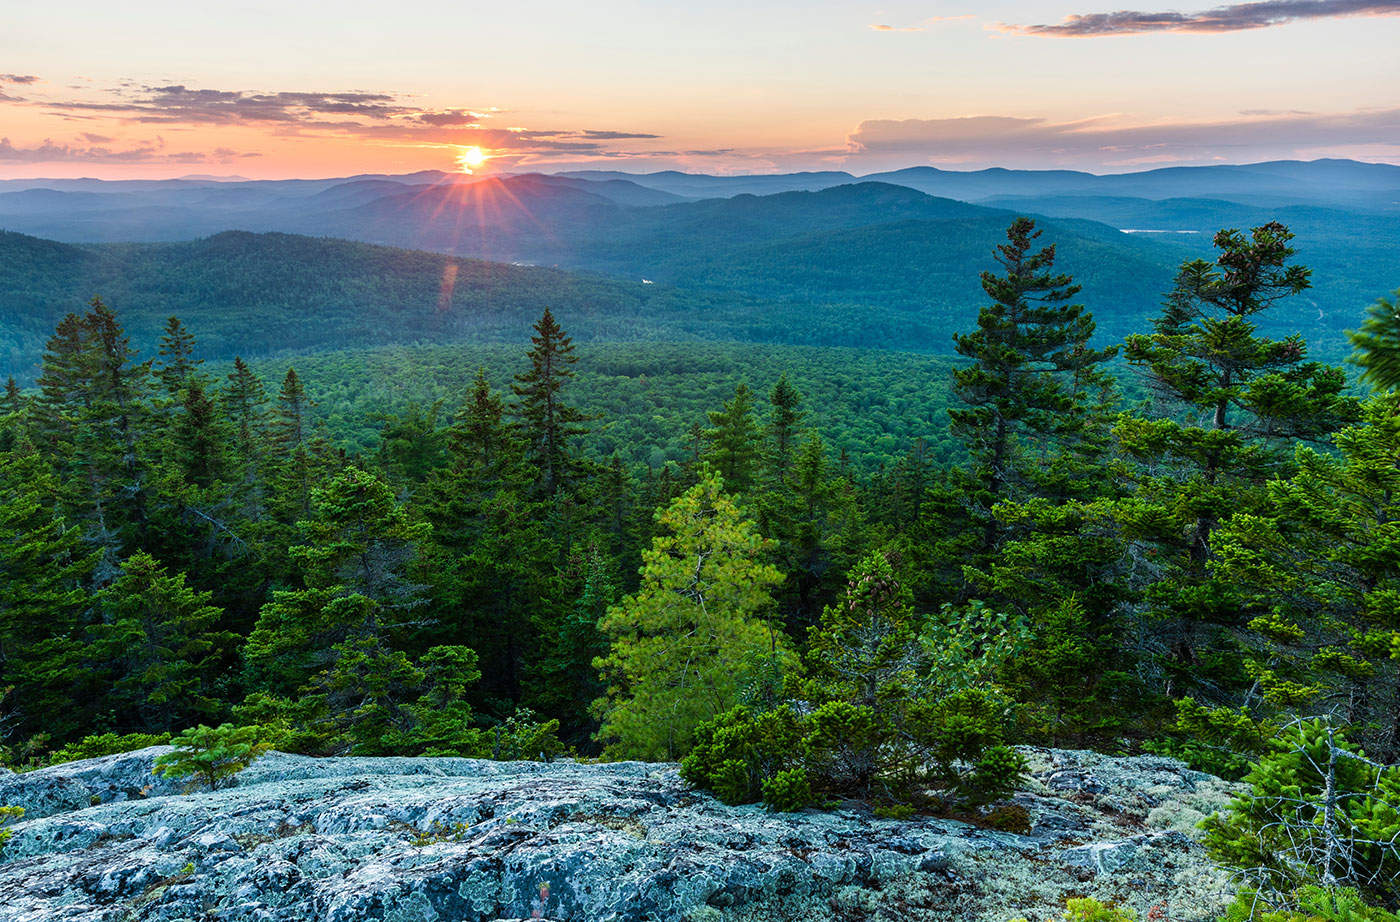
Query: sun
(469,158)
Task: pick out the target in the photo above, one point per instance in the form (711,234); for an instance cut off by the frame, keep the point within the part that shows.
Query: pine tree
(1031,373)
(176,367)
(783,433)
(1205,361)
(158,647)
(734,441)
(678,643)
(1378,344)
(548,424)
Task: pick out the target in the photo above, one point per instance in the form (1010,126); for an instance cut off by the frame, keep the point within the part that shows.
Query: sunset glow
(469,158)
(739,89)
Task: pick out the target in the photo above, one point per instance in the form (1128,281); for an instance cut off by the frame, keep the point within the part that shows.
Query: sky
(300,88)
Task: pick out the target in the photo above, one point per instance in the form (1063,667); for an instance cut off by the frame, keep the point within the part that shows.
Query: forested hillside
(791,571)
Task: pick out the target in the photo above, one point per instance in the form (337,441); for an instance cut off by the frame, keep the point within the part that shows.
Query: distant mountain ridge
(855,262)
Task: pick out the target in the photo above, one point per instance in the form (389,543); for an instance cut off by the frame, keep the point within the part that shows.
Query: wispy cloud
(380,117)
(921,26)
(1113,142)
(153,151)
(1234,17)
(18,78)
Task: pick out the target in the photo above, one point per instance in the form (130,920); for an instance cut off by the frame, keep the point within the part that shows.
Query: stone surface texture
(298,839)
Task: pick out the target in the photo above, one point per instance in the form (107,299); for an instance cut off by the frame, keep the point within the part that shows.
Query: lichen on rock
(404,840)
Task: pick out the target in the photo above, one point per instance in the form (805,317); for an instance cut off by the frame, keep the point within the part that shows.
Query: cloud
(385,118)
(1110,141)
(1231,18)
(18,78)
(450,117)
(615,135)
(178,103)
(144,152)
(882,28)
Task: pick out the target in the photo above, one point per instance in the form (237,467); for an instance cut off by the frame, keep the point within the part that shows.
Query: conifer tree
(1030,376)
(338,642)
(176,366)
(1249,393)
(158,648)
(93,419)
(548,424)
(1378,344)
(678,643)
(297,464)
(45,569)
(244,403)
(734,440)
(1318,567)
(783,421)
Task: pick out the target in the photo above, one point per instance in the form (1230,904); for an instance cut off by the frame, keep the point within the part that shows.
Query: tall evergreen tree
(783,433)
(734,440)
(1231,400)
(45,569)
(338,643)
(176,366)
(549,425)
(1030,375)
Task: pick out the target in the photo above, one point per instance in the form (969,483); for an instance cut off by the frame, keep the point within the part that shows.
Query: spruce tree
(338,643)
(175,368)
(783,433)
(1030,377)
(547,423)
(1377,344)
(1229,402)
(1318,568)
(45,571)
(734,441)
(158,648)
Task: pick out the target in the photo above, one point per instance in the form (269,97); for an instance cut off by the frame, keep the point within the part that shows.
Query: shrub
(8,815)
(1314,904)
(738,751)
(1318,813)
(1010,818)
(212,753)
(787,790)
(106,744)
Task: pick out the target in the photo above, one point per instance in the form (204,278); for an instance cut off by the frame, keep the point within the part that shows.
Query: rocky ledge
(451,840)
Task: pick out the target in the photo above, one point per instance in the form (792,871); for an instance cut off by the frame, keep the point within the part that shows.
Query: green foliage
(1317,813)
(741,754)
(1253,394)
(1307,904)
(1010,818)
(211,754)
(1320,562)
(106,744)
(1377,344)
(8,815)
(674,643)
(1031,372)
